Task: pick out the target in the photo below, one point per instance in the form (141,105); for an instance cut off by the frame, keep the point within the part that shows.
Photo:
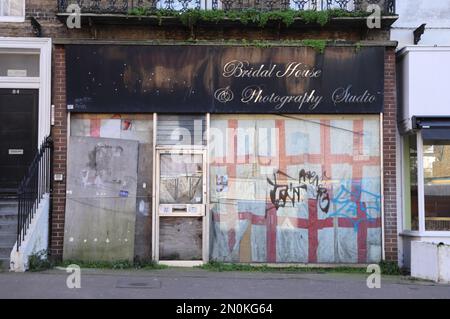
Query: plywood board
(180,238)
(101,199)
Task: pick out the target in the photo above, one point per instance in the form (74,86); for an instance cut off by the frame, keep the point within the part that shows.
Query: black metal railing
(125,6)
(32,188)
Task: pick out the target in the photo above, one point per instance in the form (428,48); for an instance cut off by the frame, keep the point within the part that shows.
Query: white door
(180,223)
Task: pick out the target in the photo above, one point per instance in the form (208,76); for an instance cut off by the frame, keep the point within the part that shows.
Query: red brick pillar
(389,159)
(59,135)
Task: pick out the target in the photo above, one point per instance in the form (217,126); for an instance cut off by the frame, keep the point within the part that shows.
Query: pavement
(192,283)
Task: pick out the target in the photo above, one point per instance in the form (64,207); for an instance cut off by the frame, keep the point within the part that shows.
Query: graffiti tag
(348,202)
(308,181)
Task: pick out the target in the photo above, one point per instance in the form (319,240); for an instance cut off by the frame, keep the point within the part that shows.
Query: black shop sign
(223,79)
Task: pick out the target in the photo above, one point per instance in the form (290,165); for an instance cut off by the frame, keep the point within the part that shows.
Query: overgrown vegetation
(39,261)
(193,17)
(219,266)
(387,268)
(318,45)
(117,264)
(287,17)
(391,268)
(358,46)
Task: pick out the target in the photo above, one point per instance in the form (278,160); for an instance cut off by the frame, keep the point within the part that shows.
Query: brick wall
(59,135)
(44,11)
(389,160)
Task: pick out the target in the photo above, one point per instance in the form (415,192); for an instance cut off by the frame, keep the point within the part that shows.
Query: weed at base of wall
(39,261)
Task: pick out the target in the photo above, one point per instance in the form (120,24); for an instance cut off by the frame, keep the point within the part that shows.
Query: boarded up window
(180,238)
(118,129)
(101,199)
(298,189)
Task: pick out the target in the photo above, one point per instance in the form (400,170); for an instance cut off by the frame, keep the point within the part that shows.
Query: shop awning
(434,128)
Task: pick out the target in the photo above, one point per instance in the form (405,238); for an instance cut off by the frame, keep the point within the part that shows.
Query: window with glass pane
(12,8)
(181,179)
(436,165)
(411,195)
(19,65)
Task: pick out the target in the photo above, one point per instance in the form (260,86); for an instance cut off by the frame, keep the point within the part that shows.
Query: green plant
(261,18)
(220,267)
(147,263)
(116,264)
(138,12)
(318,45)
(311,16)
(39,261)
(390,268)
(256,43)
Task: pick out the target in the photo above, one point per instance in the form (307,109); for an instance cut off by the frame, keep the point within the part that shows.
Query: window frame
(20,18)
(420,195)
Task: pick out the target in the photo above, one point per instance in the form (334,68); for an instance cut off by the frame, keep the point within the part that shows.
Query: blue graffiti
(347,202)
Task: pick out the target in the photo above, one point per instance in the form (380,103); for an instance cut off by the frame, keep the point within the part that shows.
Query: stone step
(5,251)
(4,263)
(8,230)
(8,208)
(8,218)
(10,194)
(8,202)
(8,227)
(8,239)
(8,213)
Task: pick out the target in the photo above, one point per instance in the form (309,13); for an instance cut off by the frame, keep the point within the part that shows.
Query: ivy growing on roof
(192,17)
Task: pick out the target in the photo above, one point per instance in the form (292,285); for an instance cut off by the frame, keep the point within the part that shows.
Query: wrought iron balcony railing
(125,6)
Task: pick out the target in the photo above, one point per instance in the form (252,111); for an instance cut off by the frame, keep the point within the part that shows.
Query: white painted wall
(36,239)
(430,261)
(412,13)
(424,82)
(423,69)
(444,263)
(423,74)
(407,238)
(424,260)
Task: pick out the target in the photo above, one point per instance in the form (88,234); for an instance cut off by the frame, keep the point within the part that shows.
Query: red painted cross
(312,223)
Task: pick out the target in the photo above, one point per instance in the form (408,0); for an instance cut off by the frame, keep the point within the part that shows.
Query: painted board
(309,191)
(101,199)
(180,238)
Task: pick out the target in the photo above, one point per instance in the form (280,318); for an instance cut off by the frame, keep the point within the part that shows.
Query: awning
(434,128)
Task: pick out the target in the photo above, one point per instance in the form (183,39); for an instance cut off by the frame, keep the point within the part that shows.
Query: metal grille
(125,6)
